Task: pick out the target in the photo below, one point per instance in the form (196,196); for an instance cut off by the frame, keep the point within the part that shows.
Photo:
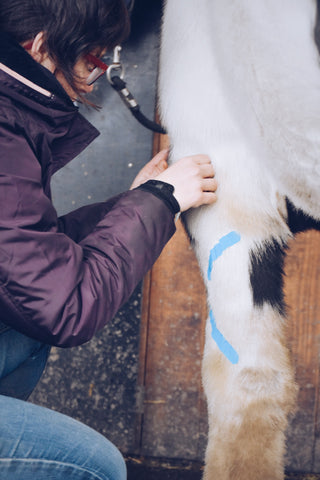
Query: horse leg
(247,373)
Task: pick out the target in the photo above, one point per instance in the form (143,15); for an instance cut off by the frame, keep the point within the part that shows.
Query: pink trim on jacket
(24,80)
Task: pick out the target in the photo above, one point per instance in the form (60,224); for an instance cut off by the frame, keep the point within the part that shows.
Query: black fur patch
(266,275)
(298,221)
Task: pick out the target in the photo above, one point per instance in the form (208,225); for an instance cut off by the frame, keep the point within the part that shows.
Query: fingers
(208,198)
(207,171)
(206,184)
(209,185)
(204,162)
(160,159)
(157,165)
(201,158)
(207,194)
(201,163)
(193,180)
(153,168)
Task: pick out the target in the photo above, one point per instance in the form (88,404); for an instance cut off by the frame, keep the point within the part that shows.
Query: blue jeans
(37,443)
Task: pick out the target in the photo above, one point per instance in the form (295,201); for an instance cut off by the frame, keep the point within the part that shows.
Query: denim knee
(21,370)
(108,461)
(37,443)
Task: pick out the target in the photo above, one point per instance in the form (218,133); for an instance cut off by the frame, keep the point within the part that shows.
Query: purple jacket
(62,279)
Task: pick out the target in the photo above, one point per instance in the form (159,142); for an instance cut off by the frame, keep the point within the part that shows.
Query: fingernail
(164,164)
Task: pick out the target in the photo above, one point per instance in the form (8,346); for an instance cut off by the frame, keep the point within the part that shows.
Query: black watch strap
(164,191)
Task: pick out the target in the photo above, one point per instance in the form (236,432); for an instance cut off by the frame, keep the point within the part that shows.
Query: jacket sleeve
(52,288)
(78,223)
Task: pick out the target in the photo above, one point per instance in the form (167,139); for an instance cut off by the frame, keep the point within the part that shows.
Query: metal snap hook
(116,65)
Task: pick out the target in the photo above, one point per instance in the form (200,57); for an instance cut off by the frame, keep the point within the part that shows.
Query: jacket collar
(16,59)
(35,88)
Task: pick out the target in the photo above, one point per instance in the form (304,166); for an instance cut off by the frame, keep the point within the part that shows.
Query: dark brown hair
(72,27)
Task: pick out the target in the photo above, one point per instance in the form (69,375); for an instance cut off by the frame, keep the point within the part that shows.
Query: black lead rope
(120,87)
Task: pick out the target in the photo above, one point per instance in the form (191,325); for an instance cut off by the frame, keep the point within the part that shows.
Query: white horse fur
(240,81)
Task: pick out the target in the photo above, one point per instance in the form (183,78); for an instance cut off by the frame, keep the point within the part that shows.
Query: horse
(240,82)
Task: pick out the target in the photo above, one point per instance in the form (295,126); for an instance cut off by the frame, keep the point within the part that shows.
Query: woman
(62,279)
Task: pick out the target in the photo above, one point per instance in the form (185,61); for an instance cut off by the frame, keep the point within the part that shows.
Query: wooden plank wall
(302,289)
(173,419)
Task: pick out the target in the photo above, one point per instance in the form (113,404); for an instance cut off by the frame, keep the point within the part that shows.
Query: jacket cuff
(162,190)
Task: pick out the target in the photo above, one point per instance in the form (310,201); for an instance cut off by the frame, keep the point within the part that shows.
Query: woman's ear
(39,53)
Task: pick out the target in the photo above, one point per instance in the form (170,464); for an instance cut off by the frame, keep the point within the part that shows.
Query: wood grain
(302,291)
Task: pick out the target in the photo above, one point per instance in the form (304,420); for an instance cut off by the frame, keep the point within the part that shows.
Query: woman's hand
(193,181)
(153,168)
(192,178)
